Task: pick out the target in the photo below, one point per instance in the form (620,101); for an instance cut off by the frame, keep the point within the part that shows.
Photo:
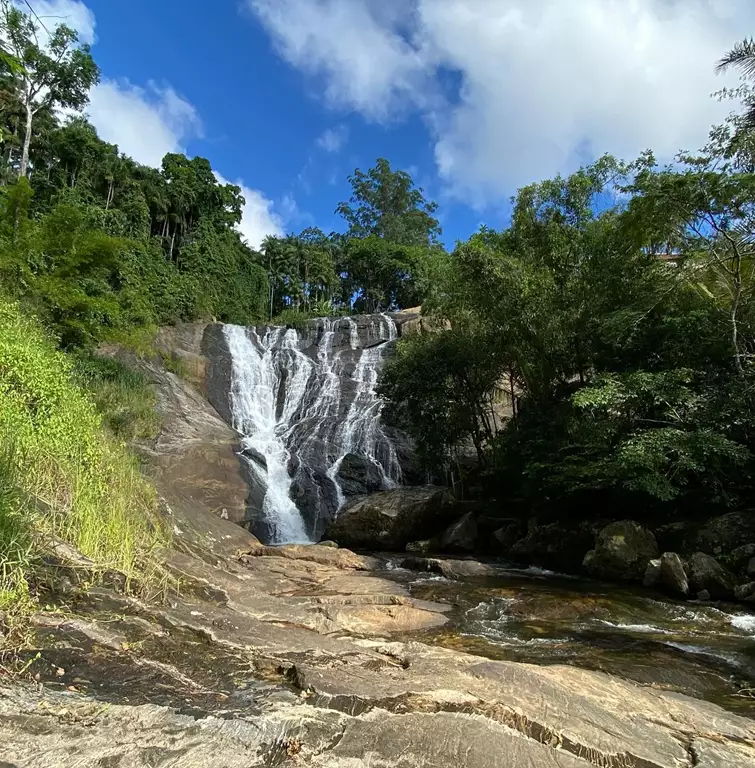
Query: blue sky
(473,97)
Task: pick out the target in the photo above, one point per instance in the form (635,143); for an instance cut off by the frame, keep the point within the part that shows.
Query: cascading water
(303,406)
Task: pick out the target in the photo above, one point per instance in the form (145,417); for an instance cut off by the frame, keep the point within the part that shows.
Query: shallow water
(538,617)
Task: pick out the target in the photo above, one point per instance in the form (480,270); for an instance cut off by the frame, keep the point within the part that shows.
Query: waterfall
(303,402)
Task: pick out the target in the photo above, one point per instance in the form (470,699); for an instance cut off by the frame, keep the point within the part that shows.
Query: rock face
(553,546)
(706,574)
(460,536)
(306,400)
(390,520)
(622,552)
(294,667)
(673,579)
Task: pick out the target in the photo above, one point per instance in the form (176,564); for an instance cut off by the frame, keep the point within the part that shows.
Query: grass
(64,472)
(123,396)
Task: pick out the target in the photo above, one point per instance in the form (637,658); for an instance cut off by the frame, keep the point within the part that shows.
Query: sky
(474,98)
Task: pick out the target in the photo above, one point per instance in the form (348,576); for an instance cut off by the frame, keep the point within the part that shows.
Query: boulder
(745,591)
(722,535)
(507,535)
(460,536)
(451,569)
(423,547)
(751,568)
(358,476)
(553,545)
(709,575)
(675,537)
(390,520)
(738,559)
(704,596)
(623,551)
(673,577)
(652,574)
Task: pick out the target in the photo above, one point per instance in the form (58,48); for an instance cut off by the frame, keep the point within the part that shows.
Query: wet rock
(652,574)
(744,591)
(553,546)
(707,574)
(623,551)
(451,569)
(390,520)
(673,578)
(358,476)
(751,568)
(703,596)
(460,536)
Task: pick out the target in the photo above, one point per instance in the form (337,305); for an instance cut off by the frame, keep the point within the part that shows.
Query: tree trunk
(27,141)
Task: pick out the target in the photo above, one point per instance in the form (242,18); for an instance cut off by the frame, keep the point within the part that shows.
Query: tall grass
(123,396)
(84,485)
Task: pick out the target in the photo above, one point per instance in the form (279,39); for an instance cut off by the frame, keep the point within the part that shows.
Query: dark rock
(744,591)
(451,569)
(422,547)
(652,574)
(392,519)
(676,537)
(707,574)
(460,536)
(751,568)
(553,545)
(623,551)
(703,596)
(738,559)
(507,535)
(673,578)
(722,535)
(358,476)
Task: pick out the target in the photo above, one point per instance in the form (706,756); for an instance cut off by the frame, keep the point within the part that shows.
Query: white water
(288,405)
(254,392)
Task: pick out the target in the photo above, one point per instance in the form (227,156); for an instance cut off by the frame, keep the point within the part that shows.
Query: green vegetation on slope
(61,474)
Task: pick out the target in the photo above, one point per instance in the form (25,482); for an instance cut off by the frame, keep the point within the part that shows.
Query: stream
(537,617)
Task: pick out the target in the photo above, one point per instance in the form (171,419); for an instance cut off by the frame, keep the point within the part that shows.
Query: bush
(82,486)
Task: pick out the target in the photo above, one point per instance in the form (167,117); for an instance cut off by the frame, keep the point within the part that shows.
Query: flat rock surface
(284,657)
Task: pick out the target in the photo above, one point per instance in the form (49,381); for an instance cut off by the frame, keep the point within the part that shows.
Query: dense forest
(598,352)
(600,361)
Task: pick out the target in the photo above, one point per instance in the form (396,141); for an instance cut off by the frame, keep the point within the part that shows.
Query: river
(538,617)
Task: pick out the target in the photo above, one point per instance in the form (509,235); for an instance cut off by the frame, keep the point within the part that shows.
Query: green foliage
(123,396)
(80,484)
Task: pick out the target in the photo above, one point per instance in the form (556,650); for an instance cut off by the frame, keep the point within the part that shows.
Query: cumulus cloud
(258,217)
(145,123)
(517,90)
(333,139)
(73,13)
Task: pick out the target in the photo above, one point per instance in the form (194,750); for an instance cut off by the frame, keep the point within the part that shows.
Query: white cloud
(72,13)
(258,217)
(517,90)
(334,139)
(145,123)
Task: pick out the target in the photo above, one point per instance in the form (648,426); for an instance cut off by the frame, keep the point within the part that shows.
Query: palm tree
(742,56)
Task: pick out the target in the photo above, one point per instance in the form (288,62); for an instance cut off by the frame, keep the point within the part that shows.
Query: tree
(56,73)
(386,204)
(742,56)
